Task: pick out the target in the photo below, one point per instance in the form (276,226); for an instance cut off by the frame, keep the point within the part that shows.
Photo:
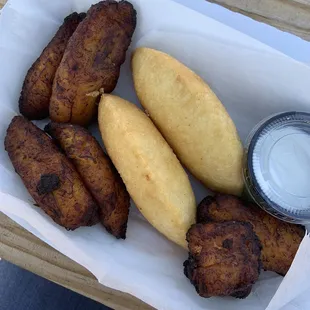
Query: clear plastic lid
(278,163)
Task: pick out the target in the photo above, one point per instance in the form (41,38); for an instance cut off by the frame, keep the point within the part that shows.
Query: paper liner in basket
(252,80)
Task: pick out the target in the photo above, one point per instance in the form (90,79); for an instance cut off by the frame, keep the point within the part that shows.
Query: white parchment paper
(252,80)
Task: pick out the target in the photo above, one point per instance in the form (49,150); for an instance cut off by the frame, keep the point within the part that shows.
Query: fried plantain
(280,240)
(224,259)
(49,176)
(91,62)
(98,174)
(37,88)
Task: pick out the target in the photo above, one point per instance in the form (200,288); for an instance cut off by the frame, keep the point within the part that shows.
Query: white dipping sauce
(289,163)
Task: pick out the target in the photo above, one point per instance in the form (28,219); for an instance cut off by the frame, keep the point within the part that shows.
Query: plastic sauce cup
(277,166)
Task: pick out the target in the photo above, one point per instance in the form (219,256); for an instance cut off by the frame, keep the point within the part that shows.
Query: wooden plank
(288,15)
(27,251)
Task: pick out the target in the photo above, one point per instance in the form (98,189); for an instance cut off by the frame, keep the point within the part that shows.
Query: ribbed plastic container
(277,166)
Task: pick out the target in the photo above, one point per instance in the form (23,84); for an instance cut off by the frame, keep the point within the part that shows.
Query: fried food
(37,88)
(97,173)
(49,176)
(151,172)
(191,118)
(224,259)
(280,240)
(92,61)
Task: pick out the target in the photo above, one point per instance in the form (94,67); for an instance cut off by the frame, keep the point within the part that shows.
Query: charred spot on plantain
(82,16)
(227,244)
(243,293)
(59,88)
(75,67)
(48,183)
(75,15)
(122,232)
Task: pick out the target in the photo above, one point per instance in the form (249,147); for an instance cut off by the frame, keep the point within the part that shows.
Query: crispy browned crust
(98,174)
(224,259)
(280,240)
(37,88)
(92,61)
(49,176)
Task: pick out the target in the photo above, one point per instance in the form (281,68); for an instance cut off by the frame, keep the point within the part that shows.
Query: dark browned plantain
(49,176)
(91,62)
(37,88)
(98,174)
(224,259)
(280,240)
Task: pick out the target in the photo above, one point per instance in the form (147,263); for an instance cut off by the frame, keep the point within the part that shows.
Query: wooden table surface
(288,15)
(25,250)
